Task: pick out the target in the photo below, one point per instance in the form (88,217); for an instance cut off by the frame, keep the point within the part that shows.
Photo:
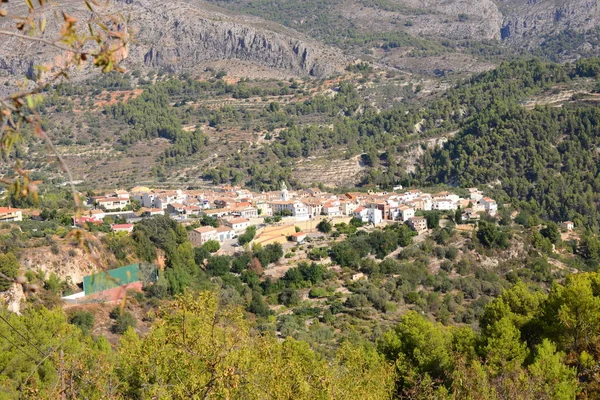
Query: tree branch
(45,41)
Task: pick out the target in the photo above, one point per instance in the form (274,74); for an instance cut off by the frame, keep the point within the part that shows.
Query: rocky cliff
(184,35)
(529,20)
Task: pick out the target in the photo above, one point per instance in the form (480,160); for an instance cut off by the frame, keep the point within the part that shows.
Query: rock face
(183,35)
(529,20)
(12,298)
(454,19)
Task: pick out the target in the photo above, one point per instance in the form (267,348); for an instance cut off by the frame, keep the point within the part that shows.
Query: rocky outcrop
(530,20)
(12,298)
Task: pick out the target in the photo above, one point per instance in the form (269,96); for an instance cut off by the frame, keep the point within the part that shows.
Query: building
(150,212)
(82,220)
(199,236)
(296,208)
(237,224)
(298,237)
(331,208)
(225,233)
(216,213)
(475,194)
(10,214)
(246,212)
(489,205)
(419,224)
(374,216)
(361,213)
(405,213)
(176,208)
(122,228)
(469,214)
(443,204)
(112,203)
(567,226)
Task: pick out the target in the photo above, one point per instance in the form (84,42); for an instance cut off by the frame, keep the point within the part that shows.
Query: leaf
(89,6)
(3,12)
(30,5)
(43,24)
(30,102)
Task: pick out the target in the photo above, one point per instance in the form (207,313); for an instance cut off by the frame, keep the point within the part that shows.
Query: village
(278,216)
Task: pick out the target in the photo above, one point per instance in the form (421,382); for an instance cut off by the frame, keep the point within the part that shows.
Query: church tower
(285,196)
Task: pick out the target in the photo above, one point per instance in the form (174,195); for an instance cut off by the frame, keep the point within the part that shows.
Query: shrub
(82,319)
(124,321)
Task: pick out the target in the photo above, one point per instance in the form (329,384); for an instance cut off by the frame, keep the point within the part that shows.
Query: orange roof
(122,226)
(237,220)
(205,229)
(8,210)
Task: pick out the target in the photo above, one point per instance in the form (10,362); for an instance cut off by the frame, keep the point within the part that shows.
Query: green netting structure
(105,280)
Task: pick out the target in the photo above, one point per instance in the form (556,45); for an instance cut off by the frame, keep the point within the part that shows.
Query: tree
(325,226)
(289,297)
(458,216)
(551,232)
(551,375)
(247,236)
(9,266)
(418,346)
(218,265)
(433,219)
(491,236)
(212,246)
(356,222)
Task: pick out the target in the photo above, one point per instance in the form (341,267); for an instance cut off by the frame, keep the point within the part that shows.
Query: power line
(24,338)
(18,348)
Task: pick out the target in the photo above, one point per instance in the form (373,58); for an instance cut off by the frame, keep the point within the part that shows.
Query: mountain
(179,36)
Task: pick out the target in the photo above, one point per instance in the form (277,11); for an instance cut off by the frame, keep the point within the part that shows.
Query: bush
(82,319)
(324,226)
(317,292)
(124,321)
(289,297)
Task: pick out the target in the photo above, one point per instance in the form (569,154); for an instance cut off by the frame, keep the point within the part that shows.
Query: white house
(405,213)
(122,228)
(444,204)
(225,233)
(238,224)
(331,208)
(567,225)
(297,209)
(475,194)
(10,214)
(375,216)
(361,213)
(201,235)
(489,205)
(112,203)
